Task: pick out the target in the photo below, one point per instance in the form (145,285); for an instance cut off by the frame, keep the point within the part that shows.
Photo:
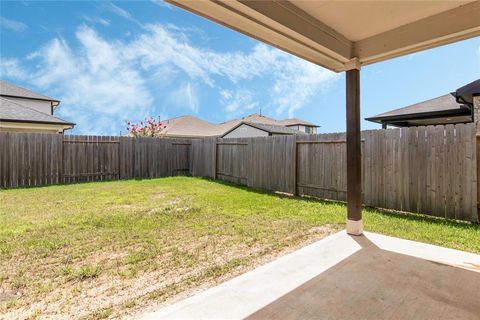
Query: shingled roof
(441,110)
(296,121)
(14,112)
(466,93)
(8,89)
(189,126)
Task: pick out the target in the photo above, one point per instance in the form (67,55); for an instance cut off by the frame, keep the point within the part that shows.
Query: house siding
(303,128)
(245,131)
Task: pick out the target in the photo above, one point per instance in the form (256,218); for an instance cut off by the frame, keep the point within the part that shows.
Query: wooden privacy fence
(430,170)
(32,159)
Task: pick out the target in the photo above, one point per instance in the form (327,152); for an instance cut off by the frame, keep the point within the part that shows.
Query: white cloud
(100,87)
(295,80)
(185,96)
(238,101)
(297,83)
(102,21)
(12,24)
(10,67)
(122,13)
(103,79)
(162,45)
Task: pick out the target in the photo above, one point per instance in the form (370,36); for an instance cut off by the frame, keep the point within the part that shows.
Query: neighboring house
(293,123)
(446,109)
(254,125)
(22,110)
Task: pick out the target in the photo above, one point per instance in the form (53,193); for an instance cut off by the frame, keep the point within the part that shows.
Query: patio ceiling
(334,34)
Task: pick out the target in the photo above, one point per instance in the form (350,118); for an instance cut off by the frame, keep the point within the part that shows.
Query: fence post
(295,166)
(61,177)
(215,150)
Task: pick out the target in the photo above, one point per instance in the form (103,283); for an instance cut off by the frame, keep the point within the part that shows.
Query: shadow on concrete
(379,284)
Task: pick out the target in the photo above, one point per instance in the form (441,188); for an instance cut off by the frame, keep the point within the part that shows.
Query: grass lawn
(100,250)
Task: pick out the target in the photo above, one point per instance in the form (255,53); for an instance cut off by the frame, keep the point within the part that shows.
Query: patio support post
(354,158)
(476,119)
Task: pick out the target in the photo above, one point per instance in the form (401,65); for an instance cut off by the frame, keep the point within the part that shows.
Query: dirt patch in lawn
(111,284)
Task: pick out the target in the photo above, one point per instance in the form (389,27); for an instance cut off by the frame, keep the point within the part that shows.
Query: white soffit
(331,33)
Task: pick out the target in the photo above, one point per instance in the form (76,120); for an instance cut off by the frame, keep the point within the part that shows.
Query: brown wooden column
(476,119)
(354,158)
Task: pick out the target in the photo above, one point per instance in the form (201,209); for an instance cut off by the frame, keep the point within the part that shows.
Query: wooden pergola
(344,36)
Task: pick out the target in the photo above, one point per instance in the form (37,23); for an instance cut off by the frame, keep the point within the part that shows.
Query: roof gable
(273,129)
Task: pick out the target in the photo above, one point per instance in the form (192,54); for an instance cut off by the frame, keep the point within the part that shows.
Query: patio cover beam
(283,24)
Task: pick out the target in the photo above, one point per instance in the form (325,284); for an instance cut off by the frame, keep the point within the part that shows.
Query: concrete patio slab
(344,277)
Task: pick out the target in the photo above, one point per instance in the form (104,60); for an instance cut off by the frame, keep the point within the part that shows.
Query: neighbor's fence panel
(203,155)
(321,166)
(262,163)
(29,159)
(272,163)
(90,158)
(232,162)
(430,170)
(153,157)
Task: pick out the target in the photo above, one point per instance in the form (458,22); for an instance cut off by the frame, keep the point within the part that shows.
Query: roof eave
(285,26)
(29,98)
(39,122)
(243,17)
(420,116)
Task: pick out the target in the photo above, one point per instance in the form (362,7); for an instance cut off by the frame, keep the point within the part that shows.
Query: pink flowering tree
(147,128)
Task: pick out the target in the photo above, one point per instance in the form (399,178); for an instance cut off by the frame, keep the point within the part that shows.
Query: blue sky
(114,61)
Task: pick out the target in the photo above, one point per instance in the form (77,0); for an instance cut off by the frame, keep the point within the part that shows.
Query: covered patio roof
(334,34)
